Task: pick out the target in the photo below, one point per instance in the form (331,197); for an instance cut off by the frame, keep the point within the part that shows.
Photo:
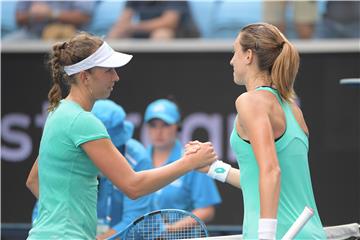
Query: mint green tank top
(295,188)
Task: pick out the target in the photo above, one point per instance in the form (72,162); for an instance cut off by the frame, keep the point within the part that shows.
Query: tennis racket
(164,224)
(298,224)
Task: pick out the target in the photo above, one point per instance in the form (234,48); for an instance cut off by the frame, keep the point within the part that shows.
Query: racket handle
(299,223)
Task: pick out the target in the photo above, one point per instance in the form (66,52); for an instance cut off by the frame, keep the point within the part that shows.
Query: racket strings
(167,225)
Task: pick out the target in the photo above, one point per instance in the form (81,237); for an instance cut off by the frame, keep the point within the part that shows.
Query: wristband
(219,170)
(267,228)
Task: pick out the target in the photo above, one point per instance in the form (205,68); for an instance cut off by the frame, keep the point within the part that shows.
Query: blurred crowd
(47,20)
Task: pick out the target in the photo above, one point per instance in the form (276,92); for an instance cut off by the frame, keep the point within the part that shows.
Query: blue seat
(231,16)
(8,20)
(105,14)
(201,12)
(224,19)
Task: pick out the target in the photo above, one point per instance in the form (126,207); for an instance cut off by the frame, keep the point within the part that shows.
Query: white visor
(104,56)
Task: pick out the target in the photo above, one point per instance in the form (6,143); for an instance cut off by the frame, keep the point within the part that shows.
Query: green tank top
(295,188)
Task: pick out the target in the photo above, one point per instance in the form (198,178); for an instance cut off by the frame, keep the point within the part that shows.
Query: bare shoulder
(254,100)
(297,111)
(250,106)
(299,117)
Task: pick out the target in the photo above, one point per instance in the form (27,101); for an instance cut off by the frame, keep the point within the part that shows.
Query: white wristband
(219,170)
(267,228)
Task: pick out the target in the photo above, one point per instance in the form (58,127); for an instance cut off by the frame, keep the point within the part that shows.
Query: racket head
(159,224)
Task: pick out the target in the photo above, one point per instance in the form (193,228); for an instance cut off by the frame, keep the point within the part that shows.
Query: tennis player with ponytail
(75,145)
(270,138)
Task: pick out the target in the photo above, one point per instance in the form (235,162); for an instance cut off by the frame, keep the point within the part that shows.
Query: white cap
(104,56)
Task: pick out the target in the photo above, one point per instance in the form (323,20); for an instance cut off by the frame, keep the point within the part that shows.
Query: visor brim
(116,60)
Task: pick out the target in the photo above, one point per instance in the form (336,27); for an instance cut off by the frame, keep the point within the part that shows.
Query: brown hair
(275,54)
(67,53)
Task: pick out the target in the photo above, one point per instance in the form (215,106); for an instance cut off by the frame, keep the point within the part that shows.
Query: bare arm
(121,28)
(206,214)
(135,184)
(299,118)
(233,177)
(253,116)
(106,235)
(169,19)
(40,12)
(73,17)
(32,182)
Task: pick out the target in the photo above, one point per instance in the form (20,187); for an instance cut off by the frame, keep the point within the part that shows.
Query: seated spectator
(341,19)
(115,210)
(50,19)
(194,191)
(304,16)
(156,20)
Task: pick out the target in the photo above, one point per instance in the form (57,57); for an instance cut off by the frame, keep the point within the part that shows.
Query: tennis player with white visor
(75,145)
(269,139)
(105,56)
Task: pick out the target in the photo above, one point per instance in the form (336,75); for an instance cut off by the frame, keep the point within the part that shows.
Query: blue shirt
(119,207)
(191,191)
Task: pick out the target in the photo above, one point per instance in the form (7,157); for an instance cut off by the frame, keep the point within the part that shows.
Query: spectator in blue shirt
(115,209)
(194,192)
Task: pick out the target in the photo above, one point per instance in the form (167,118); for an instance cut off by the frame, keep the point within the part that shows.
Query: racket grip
(299,223)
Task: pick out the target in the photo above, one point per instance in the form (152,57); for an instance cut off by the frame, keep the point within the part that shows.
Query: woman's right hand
(202,157)
(192,147)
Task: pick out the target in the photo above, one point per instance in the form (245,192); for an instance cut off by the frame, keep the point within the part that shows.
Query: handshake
(204,159)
